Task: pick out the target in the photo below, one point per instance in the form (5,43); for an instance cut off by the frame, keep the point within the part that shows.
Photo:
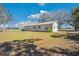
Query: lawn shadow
(73,36)
(57,35)
(21,48)
(64,52)
(27,48)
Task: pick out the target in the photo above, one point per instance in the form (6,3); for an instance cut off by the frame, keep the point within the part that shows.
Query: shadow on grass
(21,48)
(57,35)
(61,51)
(28,48)
(73,36)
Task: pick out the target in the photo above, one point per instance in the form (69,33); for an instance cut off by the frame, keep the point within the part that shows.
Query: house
(53,25)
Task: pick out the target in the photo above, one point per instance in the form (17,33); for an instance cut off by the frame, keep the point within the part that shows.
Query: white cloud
(34,16)
(37,16)
(42,4)
(22,23)
(3,26)
(42,12)
(16,25)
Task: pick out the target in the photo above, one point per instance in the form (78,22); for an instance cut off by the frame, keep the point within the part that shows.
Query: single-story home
(53,25)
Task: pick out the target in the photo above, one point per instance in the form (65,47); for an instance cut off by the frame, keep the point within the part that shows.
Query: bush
(23,30)
(1,30)
(49,30)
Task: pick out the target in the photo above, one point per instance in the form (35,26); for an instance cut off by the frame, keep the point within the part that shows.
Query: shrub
(23,30)
(1,30)
(49,30)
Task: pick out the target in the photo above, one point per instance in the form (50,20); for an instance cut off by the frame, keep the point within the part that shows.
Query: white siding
(53,26)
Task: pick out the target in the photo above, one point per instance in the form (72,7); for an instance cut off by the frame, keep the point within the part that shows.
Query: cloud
(42,4)
(23,23)
(34,16)
(42,12)
(37,16)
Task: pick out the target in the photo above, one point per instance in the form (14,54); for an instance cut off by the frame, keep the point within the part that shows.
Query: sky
(22,11)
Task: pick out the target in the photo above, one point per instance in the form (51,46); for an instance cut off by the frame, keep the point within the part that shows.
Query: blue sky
(21,11)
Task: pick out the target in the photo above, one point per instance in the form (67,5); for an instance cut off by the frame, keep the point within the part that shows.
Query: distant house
(53,25)
(66,27)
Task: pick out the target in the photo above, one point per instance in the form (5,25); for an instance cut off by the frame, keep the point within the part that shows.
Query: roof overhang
(44,23)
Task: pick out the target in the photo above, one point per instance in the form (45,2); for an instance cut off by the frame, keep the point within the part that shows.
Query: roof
(44,23)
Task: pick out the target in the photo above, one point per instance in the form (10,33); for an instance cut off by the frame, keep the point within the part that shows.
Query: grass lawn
(46,42)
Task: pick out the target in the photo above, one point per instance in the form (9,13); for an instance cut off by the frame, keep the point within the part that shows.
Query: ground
(47,40)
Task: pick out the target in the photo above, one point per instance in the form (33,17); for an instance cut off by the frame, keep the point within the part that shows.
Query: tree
(45,17)
(75,18)
(5,16)
(61,16)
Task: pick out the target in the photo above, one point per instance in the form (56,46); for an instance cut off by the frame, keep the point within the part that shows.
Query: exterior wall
(41,27)
(45,27)
(53,26)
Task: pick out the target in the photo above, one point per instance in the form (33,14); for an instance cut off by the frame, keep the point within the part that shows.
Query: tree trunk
(76,28)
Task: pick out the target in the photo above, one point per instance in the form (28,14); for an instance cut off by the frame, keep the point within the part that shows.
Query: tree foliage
(5,15)
(61,16)
(75,18)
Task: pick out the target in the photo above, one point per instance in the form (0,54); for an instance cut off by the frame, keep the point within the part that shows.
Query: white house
(42,26)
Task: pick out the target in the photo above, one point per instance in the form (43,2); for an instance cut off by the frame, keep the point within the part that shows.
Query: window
(39,27)
(33,26)
(46,28)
